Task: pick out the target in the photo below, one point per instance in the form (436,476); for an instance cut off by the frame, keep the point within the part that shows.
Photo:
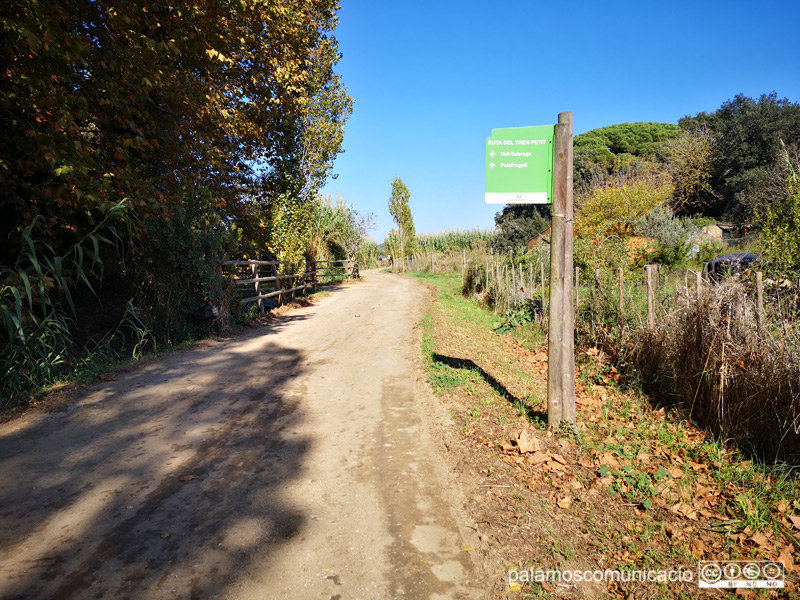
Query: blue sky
(430,80)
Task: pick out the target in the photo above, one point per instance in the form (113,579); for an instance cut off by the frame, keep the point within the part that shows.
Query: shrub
(616,205)
(673,234)
(709,358)
(780,223)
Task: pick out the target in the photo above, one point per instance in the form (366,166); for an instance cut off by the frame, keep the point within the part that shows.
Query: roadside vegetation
(636,486)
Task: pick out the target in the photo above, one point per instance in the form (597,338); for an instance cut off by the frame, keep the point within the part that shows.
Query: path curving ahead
(291,462)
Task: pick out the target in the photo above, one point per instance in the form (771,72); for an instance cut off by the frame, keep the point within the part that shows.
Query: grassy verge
(636,489)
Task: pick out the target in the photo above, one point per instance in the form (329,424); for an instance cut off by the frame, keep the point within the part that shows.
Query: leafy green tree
(748,134)
(165,104)
(616,149)
(401,214)
(517,223)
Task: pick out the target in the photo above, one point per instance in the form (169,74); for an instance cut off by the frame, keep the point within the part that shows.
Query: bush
(708,358)
(780,223)
(672,234)
(615,206)
(180,264)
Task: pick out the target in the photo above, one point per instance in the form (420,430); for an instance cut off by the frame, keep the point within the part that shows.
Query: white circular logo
(711,572)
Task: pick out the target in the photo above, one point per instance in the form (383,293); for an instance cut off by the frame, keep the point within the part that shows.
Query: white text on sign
(516,142)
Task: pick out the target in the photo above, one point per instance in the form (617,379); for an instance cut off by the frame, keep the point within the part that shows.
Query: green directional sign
(519,165)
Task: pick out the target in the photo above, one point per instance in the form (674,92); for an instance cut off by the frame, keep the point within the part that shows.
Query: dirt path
(295,461)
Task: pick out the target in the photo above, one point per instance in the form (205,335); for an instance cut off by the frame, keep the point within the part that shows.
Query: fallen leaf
(164,535)
(565,502)
(186,478)
(358,316)
(760,539)
(537,458)
(675,472)
(608,459)
(795,520)
(559,459)
(514,587)
(787,556)
(107,377)
(527,442)
(507,446)
(672,531)
(467,549)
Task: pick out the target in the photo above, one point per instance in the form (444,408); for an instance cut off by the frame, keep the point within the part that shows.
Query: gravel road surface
(298,460)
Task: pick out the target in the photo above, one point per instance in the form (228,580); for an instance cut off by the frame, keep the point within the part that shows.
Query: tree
(231,106)
(687,159)
(401,214)
(780,221)
(616,148)
(617,204)
(517,223)
(748,134)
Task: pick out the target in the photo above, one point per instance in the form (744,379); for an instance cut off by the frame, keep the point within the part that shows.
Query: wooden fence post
(760,300)
(514,285)
(541,272)
(530,281)
(278,285)
(621,300)
(651,313)
(597,291)
(257,285)
(577,288)
(698,284)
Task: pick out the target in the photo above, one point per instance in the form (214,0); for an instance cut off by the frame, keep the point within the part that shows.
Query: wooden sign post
(533,165)
(561,341)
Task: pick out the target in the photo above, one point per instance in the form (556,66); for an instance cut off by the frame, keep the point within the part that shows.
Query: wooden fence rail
(315,274)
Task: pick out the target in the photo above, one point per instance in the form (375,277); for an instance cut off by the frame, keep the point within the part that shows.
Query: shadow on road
(158,484)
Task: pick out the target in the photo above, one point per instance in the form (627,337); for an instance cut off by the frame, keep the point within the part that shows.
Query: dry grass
(708,357)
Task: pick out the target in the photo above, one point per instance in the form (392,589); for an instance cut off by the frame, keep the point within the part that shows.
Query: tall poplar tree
(401,213)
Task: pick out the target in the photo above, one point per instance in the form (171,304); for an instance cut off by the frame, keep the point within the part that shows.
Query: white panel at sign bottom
(512,198)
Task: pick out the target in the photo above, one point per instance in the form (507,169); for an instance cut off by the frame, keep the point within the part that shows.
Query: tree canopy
(517,223)
(167,104)
(748,133)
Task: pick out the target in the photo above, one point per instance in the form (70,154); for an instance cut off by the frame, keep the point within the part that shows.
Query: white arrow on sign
(492,165)
(491,153)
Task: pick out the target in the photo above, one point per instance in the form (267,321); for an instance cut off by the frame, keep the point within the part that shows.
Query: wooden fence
(279,275)
(641,296)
